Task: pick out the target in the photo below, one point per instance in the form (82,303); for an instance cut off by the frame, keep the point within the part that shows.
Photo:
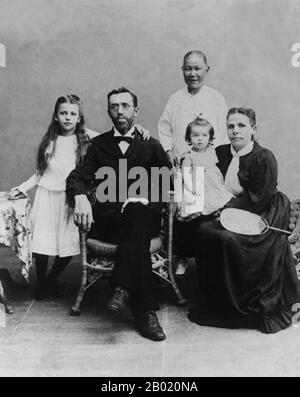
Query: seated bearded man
(131,223)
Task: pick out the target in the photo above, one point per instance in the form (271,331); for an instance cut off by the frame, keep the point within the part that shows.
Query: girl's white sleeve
(29,184)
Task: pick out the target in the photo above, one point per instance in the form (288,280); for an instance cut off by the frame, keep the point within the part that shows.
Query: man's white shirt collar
(128,133)
(123,145)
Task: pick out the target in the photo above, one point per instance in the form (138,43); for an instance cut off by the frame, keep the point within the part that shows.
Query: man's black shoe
(119,302)
(148,326)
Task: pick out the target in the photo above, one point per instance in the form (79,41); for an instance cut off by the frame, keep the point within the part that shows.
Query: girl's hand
(83,215)
(14,194)
(142,131)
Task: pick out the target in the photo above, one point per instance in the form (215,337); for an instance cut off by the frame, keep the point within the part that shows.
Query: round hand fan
(245,222)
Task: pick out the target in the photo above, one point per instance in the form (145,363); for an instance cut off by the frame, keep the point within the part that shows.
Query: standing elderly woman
(247,281)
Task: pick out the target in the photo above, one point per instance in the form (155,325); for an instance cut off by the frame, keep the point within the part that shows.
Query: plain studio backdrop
(88,47)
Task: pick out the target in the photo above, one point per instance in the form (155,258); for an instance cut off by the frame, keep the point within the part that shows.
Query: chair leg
(75,310)
(180,299)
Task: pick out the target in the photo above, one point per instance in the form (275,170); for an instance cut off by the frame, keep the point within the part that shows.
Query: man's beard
(123,125)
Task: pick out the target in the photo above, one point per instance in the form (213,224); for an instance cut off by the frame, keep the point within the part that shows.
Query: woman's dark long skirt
(247,281)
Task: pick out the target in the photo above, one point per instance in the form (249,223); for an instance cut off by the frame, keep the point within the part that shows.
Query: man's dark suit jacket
(105,152)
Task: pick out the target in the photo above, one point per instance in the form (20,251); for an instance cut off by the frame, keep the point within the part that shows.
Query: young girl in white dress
(54,232)
(202,185)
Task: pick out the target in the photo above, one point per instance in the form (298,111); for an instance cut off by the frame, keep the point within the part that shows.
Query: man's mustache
(122,122)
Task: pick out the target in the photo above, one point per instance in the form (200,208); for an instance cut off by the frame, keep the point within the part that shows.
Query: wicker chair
(294,238)
(98,259)
(102,254)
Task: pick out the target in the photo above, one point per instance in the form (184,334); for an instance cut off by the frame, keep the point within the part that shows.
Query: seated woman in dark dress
(247,281)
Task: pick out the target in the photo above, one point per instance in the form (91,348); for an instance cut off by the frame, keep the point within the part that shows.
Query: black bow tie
(127,139)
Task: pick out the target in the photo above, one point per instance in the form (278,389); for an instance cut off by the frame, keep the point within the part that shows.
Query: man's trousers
(132,231)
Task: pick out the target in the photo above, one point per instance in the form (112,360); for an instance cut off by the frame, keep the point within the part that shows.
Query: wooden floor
(41,339)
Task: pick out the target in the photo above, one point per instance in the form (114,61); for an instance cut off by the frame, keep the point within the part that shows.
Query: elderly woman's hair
(250,113)
(201,122)
(195,52)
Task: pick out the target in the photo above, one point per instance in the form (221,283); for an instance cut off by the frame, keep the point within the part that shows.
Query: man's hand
(173,159)
(134,200)
(83,215)
(142,131)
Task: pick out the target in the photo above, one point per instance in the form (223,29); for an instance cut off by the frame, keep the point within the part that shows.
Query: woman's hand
(143,132)
(83,215)
(216,215)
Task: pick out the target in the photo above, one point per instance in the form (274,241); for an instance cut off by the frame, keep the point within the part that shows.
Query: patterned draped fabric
(16,229)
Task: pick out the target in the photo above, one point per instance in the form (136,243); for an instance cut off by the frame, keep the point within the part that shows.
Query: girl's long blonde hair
(54,130)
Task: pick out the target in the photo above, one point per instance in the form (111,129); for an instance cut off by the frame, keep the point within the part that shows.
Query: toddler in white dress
(199,184)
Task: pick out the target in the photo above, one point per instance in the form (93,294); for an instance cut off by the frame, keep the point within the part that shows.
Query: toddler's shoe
(181,266)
